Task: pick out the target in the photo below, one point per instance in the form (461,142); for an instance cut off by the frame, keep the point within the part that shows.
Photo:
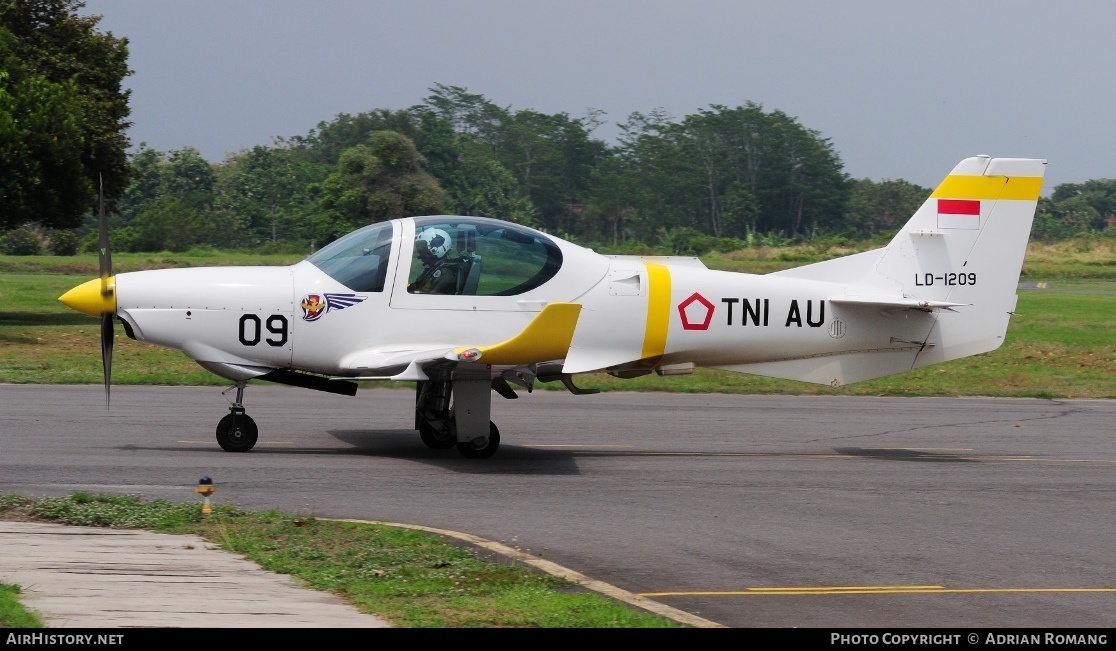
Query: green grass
(86,264)
(1084,257)
(410,578)
(12,612)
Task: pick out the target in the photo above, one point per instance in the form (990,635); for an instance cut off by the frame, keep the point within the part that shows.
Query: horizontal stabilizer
(900,302)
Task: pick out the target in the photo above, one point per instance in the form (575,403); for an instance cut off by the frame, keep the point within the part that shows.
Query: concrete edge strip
(606,589)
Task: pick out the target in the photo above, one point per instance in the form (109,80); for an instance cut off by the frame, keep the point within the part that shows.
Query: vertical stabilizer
(965,245)
(957,261)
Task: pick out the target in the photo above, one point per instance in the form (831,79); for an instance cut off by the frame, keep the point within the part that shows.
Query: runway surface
(750,511)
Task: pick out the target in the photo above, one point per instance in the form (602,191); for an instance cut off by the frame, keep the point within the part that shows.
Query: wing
(546,338)
(406,364)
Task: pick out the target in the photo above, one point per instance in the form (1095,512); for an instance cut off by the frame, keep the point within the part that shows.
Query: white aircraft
(463,306)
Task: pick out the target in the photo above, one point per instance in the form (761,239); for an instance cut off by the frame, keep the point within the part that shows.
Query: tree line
(721,178)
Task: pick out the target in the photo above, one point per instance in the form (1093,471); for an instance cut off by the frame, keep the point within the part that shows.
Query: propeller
(108,290)
(98,297)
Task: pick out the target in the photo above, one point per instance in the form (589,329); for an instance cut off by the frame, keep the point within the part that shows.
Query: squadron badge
(315,305)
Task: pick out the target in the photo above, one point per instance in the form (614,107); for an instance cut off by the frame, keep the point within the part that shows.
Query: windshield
(358,260)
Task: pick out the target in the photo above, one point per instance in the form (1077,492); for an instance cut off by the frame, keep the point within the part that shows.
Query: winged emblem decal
(315,305)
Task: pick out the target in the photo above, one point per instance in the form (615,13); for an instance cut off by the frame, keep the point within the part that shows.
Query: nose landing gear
(237,432)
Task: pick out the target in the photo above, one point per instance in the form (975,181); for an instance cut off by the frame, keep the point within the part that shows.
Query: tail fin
(959,257)
(966,245)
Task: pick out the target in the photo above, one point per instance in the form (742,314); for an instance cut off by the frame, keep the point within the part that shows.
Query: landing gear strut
(237,432)
(432,419)
(444,420)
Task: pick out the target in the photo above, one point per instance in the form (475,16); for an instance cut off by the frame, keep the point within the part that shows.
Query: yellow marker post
(206,488)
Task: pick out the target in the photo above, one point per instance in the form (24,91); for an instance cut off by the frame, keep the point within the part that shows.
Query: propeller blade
(106,352)
(107,289)
(105,254)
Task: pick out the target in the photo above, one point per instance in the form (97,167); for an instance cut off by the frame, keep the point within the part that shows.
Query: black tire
(239,439)
(434,439)
(470,451)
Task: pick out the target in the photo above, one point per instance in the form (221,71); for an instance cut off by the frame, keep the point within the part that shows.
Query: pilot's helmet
(432,243)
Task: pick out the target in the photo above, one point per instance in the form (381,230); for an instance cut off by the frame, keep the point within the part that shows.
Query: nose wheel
(237,432)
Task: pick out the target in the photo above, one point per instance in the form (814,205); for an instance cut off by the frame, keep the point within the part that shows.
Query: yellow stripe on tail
(1024,188)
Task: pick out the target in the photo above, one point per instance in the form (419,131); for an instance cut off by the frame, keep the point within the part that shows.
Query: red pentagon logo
(696,312)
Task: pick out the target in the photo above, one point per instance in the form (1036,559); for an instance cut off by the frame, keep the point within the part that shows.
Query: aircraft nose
(88,298)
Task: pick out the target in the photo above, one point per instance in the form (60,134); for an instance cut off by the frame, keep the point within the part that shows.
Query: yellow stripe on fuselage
(1024,188)
(546,337)
(658,313)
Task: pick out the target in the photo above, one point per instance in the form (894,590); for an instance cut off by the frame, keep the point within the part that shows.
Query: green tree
(182,174)
(146,184)
(650,175)
(171,205)
(25,240)
(551,156)
(172,224)
(475,182)
(468,113)
(491,190)
(329,140)
(1099,195)
(41,142)
(381,180)
(733,172)
(874,208)
(612,214)
(78,75)
(269,189)
(1059,220)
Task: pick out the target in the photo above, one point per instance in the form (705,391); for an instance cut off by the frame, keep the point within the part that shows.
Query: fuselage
(468,306)
(347,308)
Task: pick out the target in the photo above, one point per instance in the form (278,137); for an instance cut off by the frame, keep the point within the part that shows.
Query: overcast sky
(904,90)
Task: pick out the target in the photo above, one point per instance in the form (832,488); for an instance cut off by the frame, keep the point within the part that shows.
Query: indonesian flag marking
(959,213)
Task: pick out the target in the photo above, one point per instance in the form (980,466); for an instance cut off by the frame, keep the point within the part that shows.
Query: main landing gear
(444,420)
(237,432)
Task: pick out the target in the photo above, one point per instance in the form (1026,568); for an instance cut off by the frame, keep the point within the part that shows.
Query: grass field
(1061,342)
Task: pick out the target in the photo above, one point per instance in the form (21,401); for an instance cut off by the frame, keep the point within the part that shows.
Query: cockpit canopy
(483,257)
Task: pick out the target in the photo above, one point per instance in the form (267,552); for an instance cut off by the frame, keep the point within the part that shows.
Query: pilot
(439,269)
